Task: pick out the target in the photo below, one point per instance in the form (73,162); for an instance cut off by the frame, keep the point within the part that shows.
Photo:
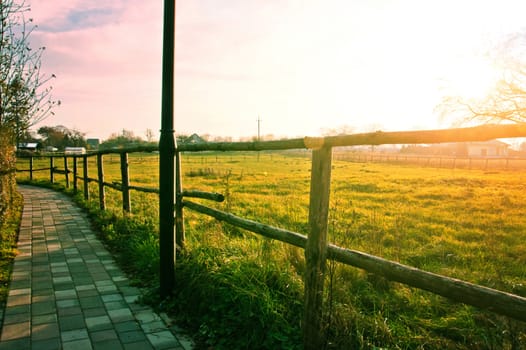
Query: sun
(471,78)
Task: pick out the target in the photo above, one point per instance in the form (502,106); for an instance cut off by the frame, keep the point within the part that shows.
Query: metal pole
(167,147)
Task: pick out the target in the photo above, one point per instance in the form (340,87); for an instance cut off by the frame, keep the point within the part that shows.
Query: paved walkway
(66,291)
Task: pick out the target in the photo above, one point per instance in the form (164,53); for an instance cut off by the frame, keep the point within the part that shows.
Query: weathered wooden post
(126,203)
(316,248)
(85,175)
(30,168)
(66,171)
(167,148)
(179,216)
(75,173)
(100,172)
(51,170)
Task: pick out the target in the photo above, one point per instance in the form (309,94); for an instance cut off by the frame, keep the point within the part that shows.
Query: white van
(74,150)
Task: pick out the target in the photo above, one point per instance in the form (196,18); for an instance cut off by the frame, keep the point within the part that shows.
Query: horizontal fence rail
(316,251)
(454,289)
(438,161)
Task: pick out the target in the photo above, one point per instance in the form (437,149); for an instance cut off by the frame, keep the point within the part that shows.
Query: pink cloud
(300,64)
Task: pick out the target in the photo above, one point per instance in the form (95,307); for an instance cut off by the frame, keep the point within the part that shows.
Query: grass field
(236,290)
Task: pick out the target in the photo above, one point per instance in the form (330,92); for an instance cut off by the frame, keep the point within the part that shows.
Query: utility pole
(259,128)
(259,132)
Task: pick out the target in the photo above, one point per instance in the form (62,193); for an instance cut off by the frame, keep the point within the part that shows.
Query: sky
(303,67)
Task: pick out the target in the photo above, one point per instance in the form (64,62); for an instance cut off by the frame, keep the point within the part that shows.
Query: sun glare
(471,79)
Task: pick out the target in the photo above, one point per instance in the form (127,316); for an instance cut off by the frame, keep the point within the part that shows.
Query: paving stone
(107,289)
(42,308)
(108,345)
(16,344)
(69,311)
(154,326)
(16,318)
(111,297)
(50,298)
(127,326)
(15,330)
(75,334)
(85,287)
(88,293)
(132,298)
(98,323)
(91,302)
(147,316)
(67,292)
(132,336)
(98,311)
(21,299)
(72,322)
(40,319)
(114,305)
(44,331)
(67,303)
(22,291)
(47,344)
(43,292)
(120,315)
(104,335)
(82,344)
(162,340)
(141,345)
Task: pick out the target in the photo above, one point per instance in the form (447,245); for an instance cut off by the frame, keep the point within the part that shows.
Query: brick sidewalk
(66,291)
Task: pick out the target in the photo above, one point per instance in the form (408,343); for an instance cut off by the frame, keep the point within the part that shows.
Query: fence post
(66,171)
(126,203)
(85,173)
(100,172)
(51,170)
(316,248)
(179,215)
(31,168)
(75,187)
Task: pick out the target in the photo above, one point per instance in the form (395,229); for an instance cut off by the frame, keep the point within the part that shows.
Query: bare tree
(149,135)
(506,103)
(25,93)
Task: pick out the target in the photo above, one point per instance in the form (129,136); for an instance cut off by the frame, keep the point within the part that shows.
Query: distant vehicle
(74,150)
(27,146)
(51,149)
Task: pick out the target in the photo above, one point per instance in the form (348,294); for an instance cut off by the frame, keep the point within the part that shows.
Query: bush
(7,174)
(10,210)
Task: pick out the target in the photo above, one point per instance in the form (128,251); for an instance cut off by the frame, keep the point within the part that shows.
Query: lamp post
(167,147)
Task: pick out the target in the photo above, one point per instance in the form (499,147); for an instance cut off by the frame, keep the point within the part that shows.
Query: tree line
(59,137)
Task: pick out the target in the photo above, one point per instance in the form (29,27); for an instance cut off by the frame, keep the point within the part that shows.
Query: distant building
(74,150)
(93,143)
(27,146)
(194,138)
(493,148)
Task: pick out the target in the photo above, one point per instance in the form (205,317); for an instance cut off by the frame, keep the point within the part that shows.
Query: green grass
(237,290)
(9,225)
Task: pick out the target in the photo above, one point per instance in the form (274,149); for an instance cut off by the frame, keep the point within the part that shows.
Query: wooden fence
(317,249)
(436,161)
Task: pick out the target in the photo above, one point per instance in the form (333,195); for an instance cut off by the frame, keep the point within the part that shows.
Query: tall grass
(237,290)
